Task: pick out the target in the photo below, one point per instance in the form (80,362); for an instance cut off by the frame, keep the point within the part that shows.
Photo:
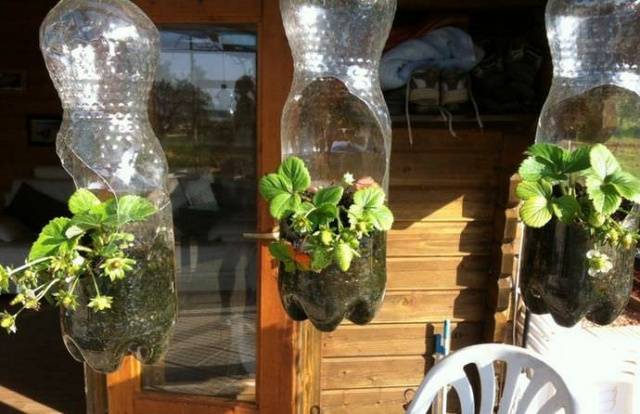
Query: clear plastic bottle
(594,98)
(102,57)
(336,118)
(337,121)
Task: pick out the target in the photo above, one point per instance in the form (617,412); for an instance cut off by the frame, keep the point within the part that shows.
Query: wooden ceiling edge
(197,12)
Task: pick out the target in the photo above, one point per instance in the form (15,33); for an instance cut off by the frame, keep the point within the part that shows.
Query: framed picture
(43,130)
(12,80)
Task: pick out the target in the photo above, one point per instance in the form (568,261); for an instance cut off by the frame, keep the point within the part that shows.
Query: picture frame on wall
(43,130)
(13,80)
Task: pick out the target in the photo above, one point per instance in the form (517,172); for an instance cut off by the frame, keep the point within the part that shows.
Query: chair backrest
(516,396)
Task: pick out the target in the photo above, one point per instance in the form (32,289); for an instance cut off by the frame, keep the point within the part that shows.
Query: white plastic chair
(527,374)
(611,385)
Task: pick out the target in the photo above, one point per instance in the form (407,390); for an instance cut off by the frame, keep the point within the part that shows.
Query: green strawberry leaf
(283,204)
(605,198)
(74,231)
(356,212)
(99,215)
(369,198)
(281,251)
(273,185)
(536,212)
(290,267)
(324,214)
(578,160)
(328,195)
(566,208)
(382,218)
(52,239)
(626,184)
(549,154)
(603,162)
(531,170)
(529,189)
(306,207)
(320,259)
(82,201)
(294,169)
(131,209)
(593,181)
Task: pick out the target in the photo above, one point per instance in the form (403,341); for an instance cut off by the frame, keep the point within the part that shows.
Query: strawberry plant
(586,187)
(322,226)
(89,245)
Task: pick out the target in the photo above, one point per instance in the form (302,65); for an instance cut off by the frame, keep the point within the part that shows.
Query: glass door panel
(204,113)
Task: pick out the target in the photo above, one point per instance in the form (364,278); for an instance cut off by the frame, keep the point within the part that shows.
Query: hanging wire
(407,112)
(475,104)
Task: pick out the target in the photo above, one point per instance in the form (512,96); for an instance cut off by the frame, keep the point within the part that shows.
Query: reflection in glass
(204,112)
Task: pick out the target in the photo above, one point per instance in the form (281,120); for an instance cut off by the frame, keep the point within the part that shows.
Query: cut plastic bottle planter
(336,120)
(102,57)
(593,99)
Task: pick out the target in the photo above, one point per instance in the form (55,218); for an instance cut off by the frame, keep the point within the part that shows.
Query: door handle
(274,235)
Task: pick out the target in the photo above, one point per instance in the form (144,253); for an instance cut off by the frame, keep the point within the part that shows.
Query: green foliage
(552,163)
(91,245)
(603,163)
(566,208)
(329,195)
(536,211)
(368,207)
(283,190)
(294,169)
(586,186)
(52,240)
(283,252)
(328,223)
(82,201)
(131,209)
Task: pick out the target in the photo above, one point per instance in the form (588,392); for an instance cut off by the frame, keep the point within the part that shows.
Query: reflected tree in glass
(203,109)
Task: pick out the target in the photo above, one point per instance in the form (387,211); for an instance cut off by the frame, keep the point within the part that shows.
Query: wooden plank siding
(440,254)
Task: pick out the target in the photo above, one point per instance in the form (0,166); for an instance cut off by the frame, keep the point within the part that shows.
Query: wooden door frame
(277,349)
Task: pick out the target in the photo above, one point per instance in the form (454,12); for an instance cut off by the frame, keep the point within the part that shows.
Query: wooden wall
(444,258)
(19,48)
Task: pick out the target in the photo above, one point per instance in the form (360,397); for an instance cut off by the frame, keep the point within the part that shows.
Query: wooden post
(308,370)
(95,388)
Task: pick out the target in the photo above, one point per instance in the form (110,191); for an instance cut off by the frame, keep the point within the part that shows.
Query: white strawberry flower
(348,179)
(599,263)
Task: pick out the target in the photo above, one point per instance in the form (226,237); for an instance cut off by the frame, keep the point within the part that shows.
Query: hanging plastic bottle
(594,99)
(337,122)
(102,57)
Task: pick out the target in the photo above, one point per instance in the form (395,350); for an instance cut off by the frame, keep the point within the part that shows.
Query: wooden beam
(95,385)
(419,5)
(309,369)
(189,11)
(123,385)
(277,349)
